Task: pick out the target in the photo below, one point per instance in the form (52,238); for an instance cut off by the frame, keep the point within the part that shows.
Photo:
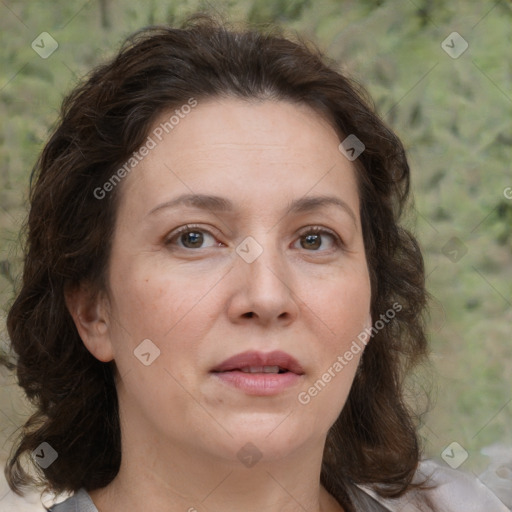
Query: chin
(270,437)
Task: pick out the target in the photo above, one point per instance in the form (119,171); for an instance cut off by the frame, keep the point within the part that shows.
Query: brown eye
(192,239)
(311,241)
(316,238)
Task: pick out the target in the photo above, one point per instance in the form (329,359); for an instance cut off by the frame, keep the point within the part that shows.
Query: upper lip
(254,358)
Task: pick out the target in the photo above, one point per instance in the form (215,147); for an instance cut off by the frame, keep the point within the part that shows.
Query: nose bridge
(265,275)
(263,259)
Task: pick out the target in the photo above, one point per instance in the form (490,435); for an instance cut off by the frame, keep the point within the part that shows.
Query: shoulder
(79,502)
(455,490)
(448,490)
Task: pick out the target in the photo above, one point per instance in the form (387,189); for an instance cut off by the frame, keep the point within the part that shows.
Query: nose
(264,288)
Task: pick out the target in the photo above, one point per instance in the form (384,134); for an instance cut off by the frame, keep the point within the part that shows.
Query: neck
(171,479)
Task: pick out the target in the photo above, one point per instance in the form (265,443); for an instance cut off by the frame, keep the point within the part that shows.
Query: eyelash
(316,230)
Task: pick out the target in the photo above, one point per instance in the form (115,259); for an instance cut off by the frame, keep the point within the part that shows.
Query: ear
(91,314)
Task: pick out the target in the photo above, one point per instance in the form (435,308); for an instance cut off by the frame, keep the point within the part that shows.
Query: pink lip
(253,358)
(262,384)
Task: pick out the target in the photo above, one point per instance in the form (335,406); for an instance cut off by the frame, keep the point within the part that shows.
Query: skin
(181,428)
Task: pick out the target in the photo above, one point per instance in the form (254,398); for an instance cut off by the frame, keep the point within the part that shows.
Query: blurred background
(440,75)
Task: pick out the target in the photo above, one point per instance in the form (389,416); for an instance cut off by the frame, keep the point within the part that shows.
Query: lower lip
(261,384)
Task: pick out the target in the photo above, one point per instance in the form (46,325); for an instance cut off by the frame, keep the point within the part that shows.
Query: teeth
(261,369)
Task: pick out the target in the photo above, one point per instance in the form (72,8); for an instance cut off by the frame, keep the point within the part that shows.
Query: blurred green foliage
(454,116)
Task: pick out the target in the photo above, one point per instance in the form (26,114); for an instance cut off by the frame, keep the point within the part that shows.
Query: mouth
(263,369)
(261,362)
(259,373)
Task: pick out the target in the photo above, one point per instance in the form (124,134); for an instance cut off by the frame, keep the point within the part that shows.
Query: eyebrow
(202,201)
(312,203)
(221,204)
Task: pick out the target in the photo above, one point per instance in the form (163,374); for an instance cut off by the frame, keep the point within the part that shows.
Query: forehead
(244,149)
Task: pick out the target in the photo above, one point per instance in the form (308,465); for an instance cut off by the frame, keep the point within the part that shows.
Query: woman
(218,305)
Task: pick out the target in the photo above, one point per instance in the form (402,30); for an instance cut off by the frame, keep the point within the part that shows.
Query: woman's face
(250,277)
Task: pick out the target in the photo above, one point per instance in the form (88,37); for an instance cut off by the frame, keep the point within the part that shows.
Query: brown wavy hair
(68,235)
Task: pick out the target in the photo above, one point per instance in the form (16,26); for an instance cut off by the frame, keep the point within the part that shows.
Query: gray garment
(453,491)
(79,502)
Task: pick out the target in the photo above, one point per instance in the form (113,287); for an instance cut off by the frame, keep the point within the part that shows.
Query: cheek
(172,316)
(324,397)
(174,310)
(342,305)
(154,301)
